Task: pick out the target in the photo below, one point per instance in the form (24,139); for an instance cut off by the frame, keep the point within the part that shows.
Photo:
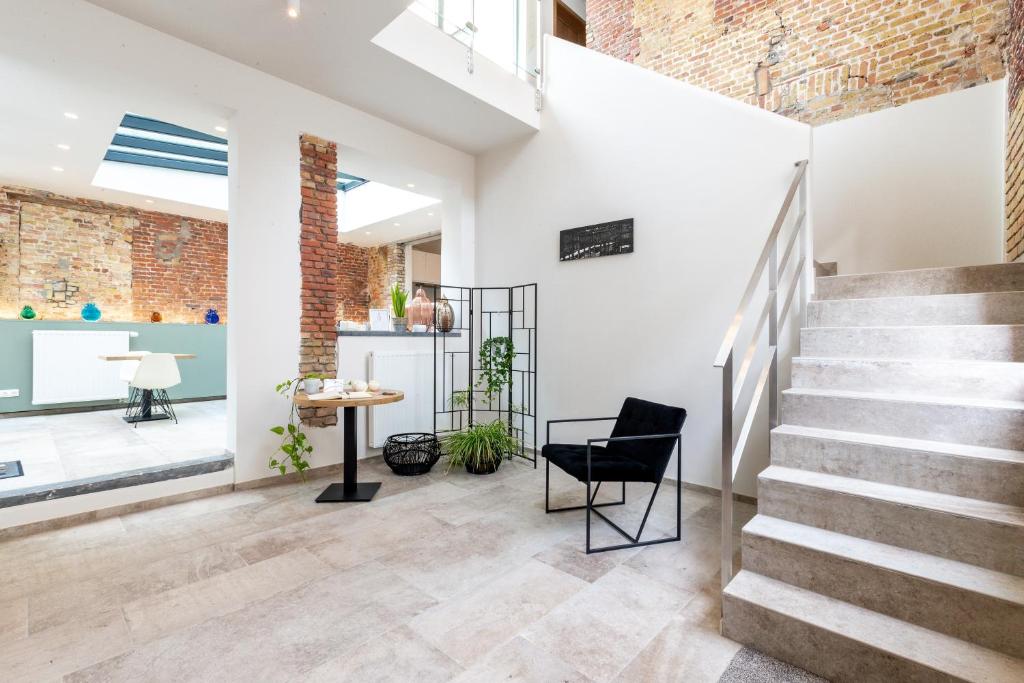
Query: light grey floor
(456,577)
(59,448)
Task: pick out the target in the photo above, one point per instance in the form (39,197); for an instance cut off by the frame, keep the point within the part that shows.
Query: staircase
(889,539)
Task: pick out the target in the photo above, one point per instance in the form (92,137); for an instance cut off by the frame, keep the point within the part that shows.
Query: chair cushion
(639,417)
(572,458)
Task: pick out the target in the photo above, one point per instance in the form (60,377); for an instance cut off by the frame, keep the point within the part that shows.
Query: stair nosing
(1000,292)
(907,361)
(814,618)
(933,399)
(999,513)
(1013,585)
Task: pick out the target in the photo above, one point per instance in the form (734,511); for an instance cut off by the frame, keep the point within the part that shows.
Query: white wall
(702,175)
(426,267)
(125,66)
(912,187)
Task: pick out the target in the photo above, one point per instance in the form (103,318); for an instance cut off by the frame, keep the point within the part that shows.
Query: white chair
(157,372)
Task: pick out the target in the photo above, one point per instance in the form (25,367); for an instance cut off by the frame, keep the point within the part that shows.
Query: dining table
(350,490)
(146,405)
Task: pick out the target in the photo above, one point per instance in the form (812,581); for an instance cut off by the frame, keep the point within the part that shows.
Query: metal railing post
(727,380)
(773,335)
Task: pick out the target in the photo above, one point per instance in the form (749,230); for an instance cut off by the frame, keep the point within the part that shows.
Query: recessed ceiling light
(220,129)
(71,115)
(397,225)
(58,169)
(410,185)
(63,146)
(368,232)
(430,213)
(293,9)
(149,201)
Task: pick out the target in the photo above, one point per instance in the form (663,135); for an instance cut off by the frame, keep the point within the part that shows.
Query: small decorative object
(211,316)
(373,385)
(481,448)
(334,384)
(603,239)
(445,316)
(419,328)
(313,384)
(27,313)
(421,310)
(294,444)
(380,320)
(91,312)
(398,298)
(411,454)
(155,317)
(358,385)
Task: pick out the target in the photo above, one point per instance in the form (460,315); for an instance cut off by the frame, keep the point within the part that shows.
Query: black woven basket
(410,454)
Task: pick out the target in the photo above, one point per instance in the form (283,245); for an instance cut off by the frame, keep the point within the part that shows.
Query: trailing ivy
(294,444)
(496,356)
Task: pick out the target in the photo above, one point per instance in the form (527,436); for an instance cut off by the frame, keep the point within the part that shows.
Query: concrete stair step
(844,642)
(990,308)
(997,277)
(967,602)
(960,342)
(982,533)
(977,422)
(957,378)
(992,474)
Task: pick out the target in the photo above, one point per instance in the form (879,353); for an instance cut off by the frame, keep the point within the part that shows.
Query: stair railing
(733,387)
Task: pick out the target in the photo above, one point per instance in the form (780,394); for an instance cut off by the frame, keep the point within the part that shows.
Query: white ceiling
(328,50)
(410,226)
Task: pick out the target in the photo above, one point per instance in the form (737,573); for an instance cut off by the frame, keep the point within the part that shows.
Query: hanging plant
(294,444)
(496,356)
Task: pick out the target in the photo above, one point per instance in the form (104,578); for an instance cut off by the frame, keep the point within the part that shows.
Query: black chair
(639,450)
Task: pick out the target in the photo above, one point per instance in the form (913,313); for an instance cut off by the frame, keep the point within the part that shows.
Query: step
(967,602)
(952,378)
(964,342)
(998,277)
(992,474)
(843,642)
(977,422)
(977,532)
(993,308)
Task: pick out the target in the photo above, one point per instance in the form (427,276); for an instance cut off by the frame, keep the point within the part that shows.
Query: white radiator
(408,371)
(66,366)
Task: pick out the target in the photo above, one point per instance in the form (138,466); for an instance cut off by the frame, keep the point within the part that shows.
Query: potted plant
(313,382)
(398,298)
(481,448)
(294,444)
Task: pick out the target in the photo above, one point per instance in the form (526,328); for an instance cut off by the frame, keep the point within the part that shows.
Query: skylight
(375,202)
(148,142)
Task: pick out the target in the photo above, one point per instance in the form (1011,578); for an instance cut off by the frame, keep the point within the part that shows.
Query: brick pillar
(318,244)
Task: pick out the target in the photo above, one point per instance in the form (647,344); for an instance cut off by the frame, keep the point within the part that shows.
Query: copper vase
(420,310)
(444,315)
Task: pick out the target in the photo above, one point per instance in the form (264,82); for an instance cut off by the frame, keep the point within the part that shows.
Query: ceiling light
(397,225)
(149,201)
(410,185)
(63,146)
(58,169)
(430,213)
(368,232)
(71,115)
(220,129)
(293,9)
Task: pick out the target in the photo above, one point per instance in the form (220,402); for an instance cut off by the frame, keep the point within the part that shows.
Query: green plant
(398,298)
(459,400)
(294,444)
(481,447)
(496,356)
(315,375)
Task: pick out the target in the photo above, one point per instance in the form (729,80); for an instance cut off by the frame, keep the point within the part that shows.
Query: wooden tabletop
(134,355)
(391,396)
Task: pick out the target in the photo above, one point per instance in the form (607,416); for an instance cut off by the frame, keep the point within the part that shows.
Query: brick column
(318,243)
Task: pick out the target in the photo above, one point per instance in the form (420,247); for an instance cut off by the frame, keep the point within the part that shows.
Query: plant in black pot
(481,448)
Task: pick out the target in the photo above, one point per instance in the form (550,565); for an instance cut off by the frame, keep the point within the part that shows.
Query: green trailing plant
(294,445)
(496,356)
(398,298)
(481,447)
(459,400)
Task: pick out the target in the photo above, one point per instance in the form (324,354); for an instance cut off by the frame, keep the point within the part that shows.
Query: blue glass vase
(211,317)
(91,312)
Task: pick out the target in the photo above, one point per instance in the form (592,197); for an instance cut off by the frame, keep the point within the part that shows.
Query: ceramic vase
(445,316)
(91,312)
(27,313)
(211,317)
(155,317)
(420,310)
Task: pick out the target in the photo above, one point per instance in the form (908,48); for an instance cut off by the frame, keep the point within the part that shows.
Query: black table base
(146,413)
(351,491)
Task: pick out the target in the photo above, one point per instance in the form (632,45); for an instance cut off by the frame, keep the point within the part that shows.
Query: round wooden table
(350,490)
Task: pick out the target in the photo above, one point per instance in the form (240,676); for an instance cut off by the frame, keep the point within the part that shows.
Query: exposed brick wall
(1015,137)
(821,60)
(353,292)
(58,252)
(318,246)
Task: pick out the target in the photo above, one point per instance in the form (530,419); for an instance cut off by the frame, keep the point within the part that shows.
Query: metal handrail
(733,387)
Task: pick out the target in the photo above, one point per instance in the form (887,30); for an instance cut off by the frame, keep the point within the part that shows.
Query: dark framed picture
(603,239)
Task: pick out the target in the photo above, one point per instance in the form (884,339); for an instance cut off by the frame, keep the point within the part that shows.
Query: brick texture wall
(1015,137)
(57,253)
(353,292)
(318,247)
(812,60)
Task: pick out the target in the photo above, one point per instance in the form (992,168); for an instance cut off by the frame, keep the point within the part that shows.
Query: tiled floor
(456,577)
(60,448)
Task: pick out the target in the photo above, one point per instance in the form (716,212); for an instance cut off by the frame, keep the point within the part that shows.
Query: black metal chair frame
(160,399)
(591,507)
